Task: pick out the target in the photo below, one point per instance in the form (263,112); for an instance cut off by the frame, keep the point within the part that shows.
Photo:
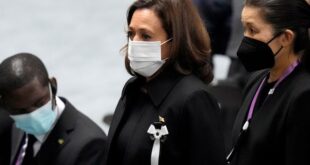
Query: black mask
(255,54)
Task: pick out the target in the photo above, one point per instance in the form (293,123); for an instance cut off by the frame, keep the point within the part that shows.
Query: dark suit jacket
(5,137)
(279,132)
(83,141)
(191,116)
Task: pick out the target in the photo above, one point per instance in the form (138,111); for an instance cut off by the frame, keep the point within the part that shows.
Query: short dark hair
(288,14)
(190,46)
(19,69)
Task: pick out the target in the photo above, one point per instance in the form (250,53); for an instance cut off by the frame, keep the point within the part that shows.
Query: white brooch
(158,132)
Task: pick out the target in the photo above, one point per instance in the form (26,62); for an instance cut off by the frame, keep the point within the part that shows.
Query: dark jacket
(5,137)
(191,116)
(75,140)
(279,131)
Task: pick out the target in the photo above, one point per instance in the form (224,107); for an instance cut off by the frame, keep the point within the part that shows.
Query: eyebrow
(142,30)
(248,24)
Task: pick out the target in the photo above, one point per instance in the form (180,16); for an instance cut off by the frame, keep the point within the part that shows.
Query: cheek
(262,37)
(165,51)
(263,34)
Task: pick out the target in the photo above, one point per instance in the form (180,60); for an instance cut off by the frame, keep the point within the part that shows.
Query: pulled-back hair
(288,14)
(190,47)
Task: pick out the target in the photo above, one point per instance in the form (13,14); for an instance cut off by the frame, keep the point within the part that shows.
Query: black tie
(29,157)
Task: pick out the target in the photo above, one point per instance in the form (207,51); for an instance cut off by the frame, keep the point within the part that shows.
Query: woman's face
(257,28)
(145,25)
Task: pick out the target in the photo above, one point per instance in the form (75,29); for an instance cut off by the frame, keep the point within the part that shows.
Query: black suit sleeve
(92,153)
(298,131)
(204,136)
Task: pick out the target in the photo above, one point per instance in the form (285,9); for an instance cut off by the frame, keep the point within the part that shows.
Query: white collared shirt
(60,107)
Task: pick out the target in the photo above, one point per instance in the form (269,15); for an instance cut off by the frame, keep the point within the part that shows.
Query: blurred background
(78,40)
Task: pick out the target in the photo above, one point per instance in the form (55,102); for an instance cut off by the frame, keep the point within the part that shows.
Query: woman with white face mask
(165,115)
(272,126)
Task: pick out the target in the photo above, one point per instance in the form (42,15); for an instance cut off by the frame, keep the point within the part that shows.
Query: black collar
(159,87)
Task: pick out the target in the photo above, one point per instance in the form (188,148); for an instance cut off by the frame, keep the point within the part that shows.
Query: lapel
(120,109)
(242,115)
(272,102)
(59,136)
(119,112)
(17,139)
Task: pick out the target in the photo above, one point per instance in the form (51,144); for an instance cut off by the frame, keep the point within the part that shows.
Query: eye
(252,30)
(41,102)
(14,111)
(146,36)
(130,34)
(17,111)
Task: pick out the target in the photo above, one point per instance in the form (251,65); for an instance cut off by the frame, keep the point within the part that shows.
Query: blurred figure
(228,91)
(237,74)
(272,126)
(165,114)
(5,137)
(47,129)
(216,15)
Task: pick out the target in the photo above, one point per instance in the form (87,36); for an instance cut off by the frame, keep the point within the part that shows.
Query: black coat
(279,131)
(83,142)
(191,116)
(5,137)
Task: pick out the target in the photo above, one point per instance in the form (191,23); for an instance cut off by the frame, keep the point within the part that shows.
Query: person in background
(165,114)
(272,126)
(5,137)
(216,15)
(47,129)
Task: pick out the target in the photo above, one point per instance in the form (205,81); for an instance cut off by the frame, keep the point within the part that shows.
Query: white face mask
(145,56)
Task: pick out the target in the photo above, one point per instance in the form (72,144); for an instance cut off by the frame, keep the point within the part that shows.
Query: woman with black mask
(272,126)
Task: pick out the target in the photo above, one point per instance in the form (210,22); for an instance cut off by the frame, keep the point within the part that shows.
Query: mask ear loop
(163,44)
(53,91)
(274,37)
(277,35)
(279,50)
(166,41)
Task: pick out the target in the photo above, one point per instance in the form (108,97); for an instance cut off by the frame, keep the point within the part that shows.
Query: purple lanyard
(22,152)
(286,73)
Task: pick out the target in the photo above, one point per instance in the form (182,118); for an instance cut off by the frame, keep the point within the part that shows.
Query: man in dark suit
(48,130)
(5,137)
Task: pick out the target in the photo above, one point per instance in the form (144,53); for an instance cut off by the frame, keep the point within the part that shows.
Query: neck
(280,67)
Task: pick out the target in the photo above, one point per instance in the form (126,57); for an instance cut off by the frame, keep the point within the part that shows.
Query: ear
(287,38)
(53,83)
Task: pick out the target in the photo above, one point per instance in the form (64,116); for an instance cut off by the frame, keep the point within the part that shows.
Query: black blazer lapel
(120,108)
(17,139)
(117,118)
(58,137)
(241,117)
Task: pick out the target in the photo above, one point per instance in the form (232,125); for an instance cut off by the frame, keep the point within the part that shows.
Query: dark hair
(190,46)
(288,14)
(18,70)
